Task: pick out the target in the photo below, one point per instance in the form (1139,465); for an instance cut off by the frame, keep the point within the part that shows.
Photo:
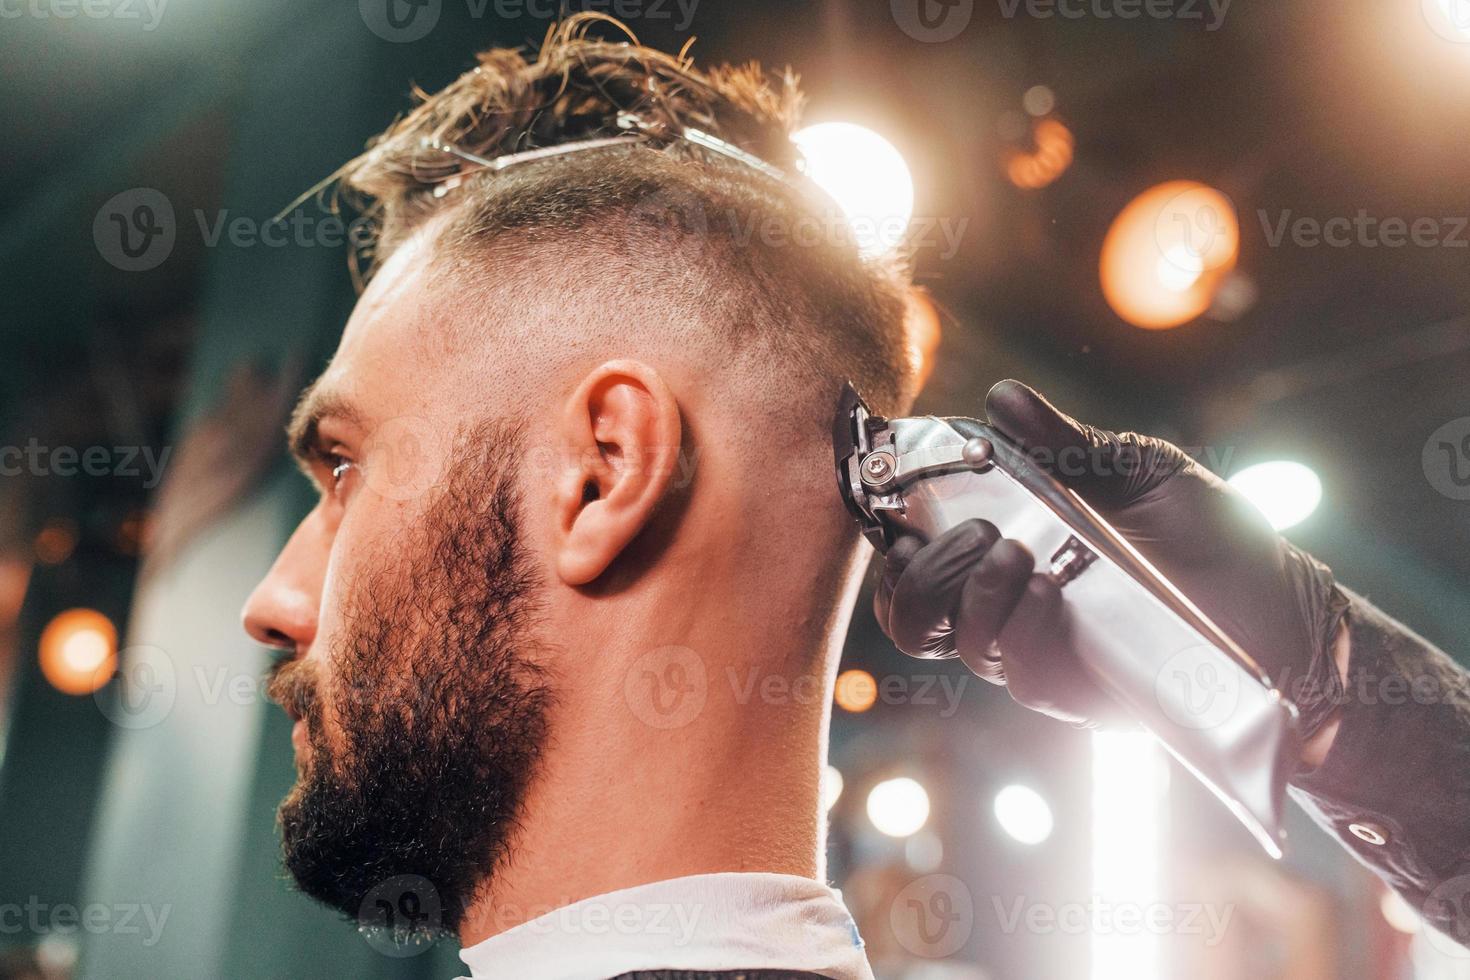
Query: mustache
(293,685)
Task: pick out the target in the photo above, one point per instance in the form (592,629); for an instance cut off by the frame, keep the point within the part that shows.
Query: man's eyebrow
(316,404)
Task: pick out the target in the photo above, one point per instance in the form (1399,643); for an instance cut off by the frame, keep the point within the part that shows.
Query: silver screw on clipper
(878,468)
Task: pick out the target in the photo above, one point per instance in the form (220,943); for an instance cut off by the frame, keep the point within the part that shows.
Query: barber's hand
(972,594)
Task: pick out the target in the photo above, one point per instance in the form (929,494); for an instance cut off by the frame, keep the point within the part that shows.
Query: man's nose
(282,611)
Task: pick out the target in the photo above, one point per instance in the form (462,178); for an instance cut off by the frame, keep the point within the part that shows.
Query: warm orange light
(921,323)
(856,690)
(1167,253)
(79,651)
(55,542)
(1051,158)
(15,575)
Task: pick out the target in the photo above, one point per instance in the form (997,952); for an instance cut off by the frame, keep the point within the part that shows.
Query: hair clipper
(1140,638)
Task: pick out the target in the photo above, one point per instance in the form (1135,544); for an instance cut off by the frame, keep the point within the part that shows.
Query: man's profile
(576,507)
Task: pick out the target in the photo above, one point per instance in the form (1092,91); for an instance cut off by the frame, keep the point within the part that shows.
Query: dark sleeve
(1395,786)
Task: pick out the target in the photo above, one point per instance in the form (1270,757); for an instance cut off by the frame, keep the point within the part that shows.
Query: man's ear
(621,430)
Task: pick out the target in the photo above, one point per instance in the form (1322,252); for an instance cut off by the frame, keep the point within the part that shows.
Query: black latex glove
(970,593)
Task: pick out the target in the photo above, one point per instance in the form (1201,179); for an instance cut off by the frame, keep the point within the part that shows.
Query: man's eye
(339,466)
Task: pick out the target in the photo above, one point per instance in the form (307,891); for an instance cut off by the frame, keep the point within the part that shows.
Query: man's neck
(675,762)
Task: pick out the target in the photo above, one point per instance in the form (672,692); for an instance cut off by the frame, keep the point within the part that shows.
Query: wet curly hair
(578,86)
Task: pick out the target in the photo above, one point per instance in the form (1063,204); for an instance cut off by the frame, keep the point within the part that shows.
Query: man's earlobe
(621,431)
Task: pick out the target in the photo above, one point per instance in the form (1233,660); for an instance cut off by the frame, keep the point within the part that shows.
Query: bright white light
(1180,267)
(867,178)
(1449,18)
(85,650)
(1284,491)
(1399,913)
(1023,814)
(898,807)
(923,852)
(1128,843)
(831,786)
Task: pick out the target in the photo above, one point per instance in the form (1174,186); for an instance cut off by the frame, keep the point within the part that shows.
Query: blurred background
(1239,225)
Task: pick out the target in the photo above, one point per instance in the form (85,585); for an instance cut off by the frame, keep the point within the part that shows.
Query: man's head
(580,413)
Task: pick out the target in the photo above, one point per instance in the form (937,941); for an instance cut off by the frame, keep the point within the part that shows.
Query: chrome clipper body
(1143,641)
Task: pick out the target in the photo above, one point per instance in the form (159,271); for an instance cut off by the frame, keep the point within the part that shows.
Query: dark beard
(441,715)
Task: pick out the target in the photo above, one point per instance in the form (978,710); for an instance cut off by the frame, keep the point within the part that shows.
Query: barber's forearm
(1391,779)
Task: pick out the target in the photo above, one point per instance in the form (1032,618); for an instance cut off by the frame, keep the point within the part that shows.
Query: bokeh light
(1023,813)
(866,176)
(831,786)
(898,807)
(1286,492)
(78,651)
(856,690)
(1167,254)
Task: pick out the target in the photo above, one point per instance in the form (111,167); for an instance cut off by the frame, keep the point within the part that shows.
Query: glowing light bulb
(1168,253)
(831,786)
(867,178)
(898,807)
(78,651)
(1023,814)
(1286,492)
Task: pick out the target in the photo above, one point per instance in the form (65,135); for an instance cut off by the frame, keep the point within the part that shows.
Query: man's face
(407,598)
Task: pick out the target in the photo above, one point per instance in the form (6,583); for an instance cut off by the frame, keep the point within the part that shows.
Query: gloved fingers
(895,560)
(1107,468)
(928,590)
(1041,667)
(986,601)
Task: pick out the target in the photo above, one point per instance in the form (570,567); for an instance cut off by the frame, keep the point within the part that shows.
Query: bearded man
(562,629)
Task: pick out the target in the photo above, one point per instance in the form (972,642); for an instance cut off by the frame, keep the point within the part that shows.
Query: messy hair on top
(573,88)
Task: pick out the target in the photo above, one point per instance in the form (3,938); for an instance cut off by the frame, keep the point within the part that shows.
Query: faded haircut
(762,263)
